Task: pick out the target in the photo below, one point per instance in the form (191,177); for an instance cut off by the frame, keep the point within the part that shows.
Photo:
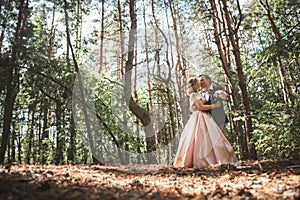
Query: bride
(202,142)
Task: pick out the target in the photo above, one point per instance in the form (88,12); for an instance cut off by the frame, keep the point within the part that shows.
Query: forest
(104,83)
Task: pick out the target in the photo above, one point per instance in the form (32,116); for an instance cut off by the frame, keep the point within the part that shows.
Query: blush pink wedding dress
(202,142)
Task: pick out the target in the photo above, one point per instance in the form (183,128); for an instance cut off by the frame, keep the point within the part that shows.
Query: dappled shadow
(39,185)
(18,187)
(252,180)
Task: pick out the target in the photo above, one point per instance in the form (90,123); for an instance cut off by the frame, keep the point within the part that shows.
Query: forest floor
(252,180)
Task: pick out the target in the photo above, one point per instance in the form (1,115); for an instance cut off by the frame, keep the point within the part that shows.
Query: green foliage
(46,78)
(276,125)
(276,132)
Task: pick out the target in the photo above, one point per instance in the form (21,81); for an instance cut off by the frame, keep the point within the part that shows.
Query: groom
(208,91)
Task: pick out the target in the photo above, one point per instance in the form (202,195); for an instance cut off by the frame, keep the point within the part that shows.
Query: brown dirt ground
(252,180)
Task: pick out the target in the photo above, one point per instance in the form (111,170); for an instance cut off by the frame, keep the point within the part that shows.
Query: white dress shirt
(207,94)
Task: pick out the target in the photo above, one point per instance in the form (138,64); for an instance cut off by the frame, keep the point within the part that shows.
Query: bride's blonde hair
(191,83)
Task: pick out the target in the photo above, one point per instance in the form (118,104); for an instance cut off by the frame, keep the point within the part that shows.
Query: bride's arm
(199,103)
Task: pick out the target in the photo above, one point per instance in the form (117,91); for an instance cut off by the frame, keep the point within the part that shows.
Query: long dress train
(202,142)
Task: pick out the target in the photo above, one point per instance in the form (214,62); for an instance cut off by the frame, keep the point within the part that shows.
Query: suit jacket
(218,114)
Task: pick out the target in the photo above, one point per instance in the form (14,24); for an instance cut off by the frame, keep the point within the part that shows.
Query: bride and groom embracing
(202,142)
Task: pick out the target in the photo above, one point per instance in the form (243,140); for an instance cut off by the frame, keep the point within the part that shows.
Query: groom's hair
(206,77)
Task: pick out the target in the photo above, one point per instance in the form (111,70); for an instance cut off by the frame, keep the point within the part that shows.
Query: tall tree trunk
(122,44)
(82,96)
(120,75)
(147,60)
(72,148)
(45,105)
(234,41)
(59,159)
(19,150)
(52,34)
(10,85)
(45,130)
(225,61)
(13,145)
(142,114)
(78,41)
(38,152)
(150,104)
(179,67)
(181,78)
(30,137)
